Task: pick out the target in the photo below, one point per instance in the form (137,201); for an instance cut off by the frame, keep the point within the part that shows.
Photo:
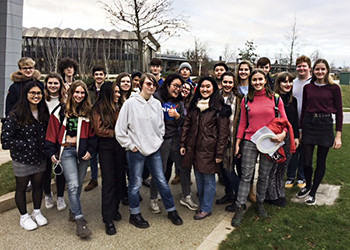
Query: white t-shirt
(298,87)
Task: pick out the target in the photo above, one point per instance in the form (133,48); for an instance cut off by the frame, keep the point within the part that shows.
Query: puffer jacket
(204,136)
(25,142)
(15,90)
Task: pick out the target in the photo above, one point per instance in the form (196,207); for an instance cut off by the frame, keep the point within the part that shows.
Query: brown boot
(252,194)
(176,180)
(92,184)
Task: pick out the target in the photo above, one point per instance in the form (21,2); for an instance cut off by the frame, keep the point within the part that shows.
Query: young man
(26,73)
(219,69)
(303,64)
(185,71)
(68,68)
(99,75)
(265,64)
(155,68)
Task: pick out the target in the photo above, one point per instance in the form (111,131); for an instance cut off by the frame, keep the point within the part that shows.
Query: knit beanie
(185,65)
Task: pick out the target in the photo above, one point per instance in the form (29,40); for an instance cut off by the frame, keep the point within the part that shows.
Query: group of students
(143,123)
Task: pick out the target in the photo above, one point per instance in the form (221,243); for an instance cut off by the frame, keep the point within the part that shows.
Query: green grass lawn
(346,95)
(298,226)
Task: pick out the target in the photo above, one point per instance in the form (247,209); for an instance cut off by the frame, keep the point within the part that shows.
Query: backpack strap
(277,100)
(246,108)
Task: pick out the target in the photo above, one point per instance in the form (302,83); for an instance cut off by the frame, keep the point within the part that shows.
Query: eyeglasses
(176,86)
(227,82)
(150,84)
(26,68)
(33,93)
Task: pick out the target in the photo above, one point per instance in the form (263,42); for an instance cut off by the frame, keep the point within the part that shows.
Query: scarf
(203,104)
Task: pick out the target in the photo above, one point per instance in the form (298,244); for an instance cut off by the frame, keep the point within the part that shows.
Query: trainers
(39,218)
(237,218)
(289,184)
(49,203)
(82,230)
(188,202)
(27,223)
(154,206)
(310,200)
(303,192)
(261,210)
(92,184)
(61,204)
(301,183)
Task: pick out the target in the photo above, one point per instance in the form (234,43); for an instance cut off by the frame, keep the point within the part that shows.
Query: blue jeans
(206,186)
(94,167)
(136,162)
(74,173)
(296,163)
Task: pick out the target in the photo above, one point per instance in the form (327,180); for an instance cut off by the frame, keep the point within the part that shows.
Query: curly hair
(65,63)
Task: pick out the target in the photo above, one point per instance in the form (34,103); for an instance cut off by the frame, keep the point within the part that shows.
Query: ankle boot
(252,195)
(237,218)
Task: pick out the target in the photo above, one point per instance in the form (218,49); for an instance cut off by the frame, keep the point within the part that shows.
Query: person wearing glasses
(169,94)
(140,130)
(23,133)
(26,73)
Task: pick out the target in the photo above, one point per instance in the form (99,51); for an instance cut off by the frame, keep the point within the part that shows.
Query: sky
(322,25)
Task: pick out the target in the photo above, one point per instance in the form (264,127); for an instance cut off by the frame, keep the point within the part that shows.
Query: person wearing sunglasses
(140,130)
(23,133)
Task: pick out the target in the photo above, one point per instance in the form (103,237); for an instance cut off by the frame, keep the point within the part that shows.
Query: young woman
(55,95)
(124,83)
(135,80)
(204,139)
(231,181)
(260,113)
(321,98)
(70,141)
(275,193)
(140,129)
(105,114)
(23,132)
(242,74)
(187,96)
(169,94)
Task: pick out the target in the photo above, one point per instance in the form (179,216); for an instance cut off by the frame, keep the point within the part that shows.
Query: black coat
(25,142)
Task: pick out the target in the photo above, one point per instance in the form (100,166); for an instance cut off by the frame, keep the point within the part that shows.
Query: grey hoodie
(140,124)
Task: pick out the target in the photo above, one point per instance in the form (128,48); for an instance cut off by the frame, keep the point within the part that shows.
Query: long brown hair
(62,91)
(328,78)
(251,90)
(126,94)
(106,107)
(74,109)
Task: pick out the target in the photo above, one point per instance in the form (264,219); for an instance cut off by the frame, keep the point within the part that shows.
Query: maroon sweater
(323,99)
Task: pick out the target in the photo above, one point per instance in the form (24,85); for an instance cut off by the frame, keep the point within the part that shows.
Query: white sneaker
(188,202)
(49,203)
(154,206)
(39,218)
(61,204)
(27,223)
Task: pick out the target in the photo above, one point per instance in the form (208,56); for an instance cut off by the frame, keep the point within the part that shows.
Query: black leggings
(320,166)
(37,191)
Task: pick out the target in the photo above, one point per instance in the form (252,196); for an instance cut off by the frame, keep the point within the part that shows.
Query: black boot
(227,198)
(110,228)
(261,210)
(138,221)
(175,218)
(237,218)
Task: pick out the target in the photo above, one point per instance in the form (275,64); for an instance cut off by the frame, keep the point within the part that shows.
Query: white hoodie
(140,124)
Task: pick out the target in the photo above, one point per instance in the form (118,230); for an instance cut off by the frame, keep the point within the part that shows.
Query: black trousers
(112,157)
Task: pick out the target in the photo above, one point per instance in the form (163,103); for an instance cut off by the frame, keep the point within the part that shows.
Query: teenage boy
(265,64)
(99,75)
(185,71)
(303,64)
(219,69)
(68,68)
(26,73)
(156,67)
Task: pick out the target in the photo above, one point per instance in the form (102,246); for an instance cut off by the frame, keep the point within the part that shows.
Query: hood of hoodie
(18,76)
(142,100)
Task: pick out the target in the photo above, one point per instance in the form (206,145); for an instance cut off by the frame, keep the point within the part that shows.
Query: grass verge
(298,226)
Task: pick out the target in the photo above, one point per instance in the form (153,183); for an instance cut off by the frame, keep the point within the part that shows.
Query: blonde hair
(26,61)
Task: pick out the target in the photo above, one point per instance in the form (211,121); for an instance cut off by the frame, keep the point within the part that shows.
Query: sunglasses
(26,68)
(150,84)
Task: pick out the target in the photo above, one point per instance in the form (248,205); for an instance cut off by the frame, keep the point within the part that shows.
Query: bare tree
(228,53)
(248,53)
(141,16)
(291,38)
(198,56)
